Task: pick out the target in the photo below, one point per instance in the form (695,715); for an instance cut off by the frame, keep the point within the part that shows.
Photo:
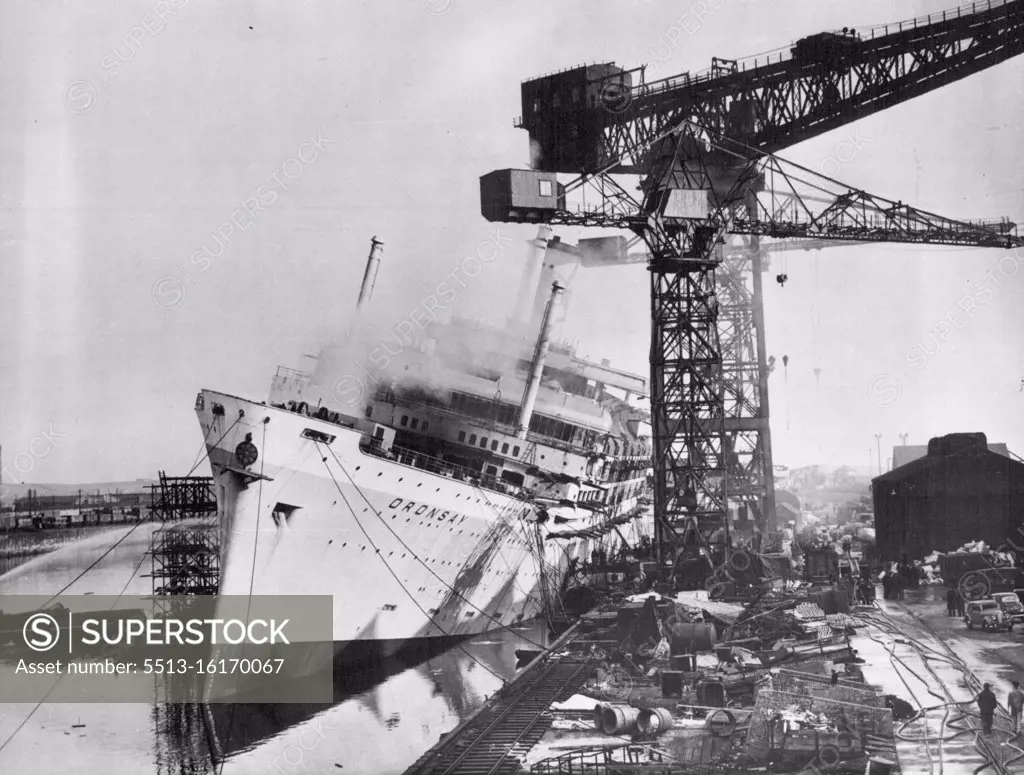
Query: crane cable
(96,562)
(391,570)
(200,452)
(46,696)
(414,555)
(527,595)
(538,554)
(135,527)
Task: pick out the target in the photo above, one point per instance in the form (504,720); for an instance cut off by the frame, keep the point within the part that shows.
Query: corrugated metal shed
(960,492)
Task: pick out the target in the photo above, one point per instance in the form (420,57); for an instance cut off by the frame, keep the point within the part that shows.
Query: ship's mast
(370,276)
(540,354)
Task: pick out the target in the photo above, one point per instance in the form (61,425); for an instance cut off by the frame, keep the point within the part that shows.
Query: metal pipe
(540,354)
(370,276)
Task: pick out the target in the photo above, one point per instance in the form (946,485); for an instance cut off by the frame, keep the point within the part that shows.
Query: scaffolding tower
(185,552)
(182,497)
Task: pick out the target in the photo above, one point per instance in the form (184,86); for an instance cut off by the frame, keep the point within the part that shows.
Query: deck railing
(416,459)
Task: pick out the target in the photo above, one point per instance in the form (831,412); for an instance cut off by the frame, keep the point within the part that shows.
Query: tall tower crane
(703,147)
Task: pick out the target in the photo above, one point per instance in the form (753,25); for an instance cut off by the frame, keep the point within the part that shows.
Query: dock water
(378,723)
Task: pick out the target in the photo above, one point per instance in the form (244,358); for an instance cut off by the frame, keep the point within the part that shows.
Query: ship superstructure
(437,487)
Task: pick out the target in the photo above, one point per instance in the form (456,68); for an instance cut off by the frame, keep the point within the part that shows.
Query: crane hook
(781,279)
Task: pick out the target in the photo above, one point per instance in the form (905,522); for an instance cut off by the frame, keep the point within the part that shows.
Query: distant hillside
(11,490)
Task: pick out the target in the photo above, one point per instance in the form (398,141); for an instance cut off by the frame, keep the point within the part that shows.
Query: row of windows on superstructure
(622,470)
(485,409)
(413,423)
(612,495)
(484,441)
(507,414)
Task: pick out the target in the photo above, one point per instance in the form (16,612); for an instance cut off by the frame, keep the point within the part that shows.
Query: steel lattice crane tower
(703,147)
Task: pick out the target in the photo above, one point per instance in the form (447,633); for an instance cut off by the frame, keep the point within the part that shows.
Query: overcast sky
(128,141)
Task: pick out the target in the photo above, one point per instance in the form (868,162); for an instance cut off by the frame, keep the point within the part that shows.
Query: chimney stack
(370,276)
(531,276)
(540,354)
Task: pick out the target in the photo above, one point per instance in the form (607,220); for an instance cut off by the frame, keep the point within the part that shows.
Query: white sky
(98,205)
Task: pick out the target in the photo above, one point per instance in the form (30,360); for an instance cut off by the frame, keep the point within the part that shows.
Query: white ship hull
(406,554)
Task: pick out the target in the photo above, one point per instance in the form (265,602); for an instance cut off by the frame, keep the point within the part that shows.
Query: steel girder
(686,403)
(708,390)
(708,387)
(746,430)
(773,104)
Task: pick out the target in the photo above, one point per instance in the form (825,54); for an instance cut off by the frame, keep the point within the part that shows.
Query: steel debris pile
(688,684)
(765,679)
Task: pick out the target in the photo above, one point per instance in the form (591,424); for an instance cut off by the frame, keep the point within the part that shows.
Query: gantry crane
(703,147)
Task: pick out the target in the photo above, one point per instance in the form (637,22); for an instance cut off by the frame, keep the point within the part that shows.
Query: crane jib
(703,147)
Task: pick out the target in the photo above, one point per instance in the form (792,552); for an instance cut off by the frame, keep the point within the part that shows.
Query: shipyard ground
(996,657)
(914,650)
(544,721)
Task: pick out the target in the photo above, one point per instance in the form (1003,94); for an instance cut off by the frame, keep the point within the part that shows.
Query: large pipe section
(370,276)
(540,354)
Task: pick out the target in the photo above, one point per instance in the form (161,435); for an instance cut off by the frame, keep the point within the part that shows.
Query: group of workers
(954,603)
(895,582)
(987,704)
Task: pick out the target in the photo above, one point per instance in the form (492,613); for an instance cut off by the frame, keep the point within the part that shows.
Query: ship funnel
(531,276)
(540,354)
(370,276)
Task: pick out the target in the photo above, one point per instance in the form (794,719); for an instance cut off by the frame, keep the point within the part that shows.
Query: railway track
(493,742)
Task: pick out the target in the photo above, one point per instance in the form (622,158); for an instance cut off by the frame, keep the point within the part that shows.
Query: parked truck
(954,567)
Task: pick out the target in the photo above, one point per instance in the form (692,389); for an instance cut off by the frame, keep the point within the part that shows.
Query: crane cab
(831,50)
(566,112)
(520,196)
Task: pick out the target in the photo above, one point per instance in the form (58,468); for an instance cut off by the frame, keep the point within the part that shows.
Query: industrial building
(960,491)
(909,453)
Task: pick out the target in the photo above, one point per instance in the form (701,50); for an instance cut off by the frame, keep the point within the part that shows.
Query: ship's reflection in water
(380,722)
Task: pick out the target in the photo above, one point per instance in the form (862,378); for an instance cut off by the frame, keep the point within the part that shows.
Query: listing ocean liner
(450,492)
